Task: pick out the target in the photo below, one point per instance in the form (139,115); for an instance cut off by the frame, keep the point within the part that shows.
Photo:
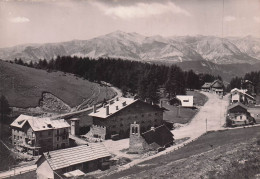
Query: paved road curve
(210,117)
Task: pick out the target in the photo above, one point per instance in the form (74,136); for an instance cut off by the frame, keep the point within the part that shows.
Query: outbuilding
(186,101)
(72,161)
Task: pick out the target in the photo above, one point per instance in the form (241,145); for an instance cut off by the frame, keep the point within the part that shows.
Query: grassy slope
(23,86)
(186,114)
(214,155)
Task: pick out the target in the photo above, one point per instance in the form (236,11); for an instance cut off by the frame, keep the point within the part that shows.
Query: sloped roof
(71,156)
(101,112)
(184,97)
(217,84)
(206,85)
(38,124)
(243,91)
(160,135)
(238,90)
(237,104)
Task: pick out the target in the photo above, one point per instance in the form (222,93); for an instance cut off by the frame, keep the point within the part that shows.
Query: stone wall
(98,132)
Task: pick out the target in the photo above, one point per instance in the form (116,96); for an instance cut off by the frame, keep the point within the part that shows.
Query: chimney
(161,103)
(107,110)
(116,107)
(104,105)
(94,108)
(152,129)
(117,99)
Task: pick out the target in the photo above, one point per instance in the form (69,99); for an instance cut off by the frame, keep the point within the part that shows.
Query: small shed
(186,101)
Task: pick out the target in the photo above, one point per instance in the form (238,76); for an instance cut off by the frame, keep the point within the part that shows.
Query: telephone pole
(206,125)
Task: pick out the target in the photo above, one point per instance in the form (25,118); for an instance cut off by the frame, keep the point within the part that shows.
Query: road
(213,110)
(210,117)
(17,171)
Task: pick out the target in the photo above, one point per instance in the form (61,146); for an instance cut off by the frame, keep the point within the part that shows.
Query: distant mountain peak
(134,46)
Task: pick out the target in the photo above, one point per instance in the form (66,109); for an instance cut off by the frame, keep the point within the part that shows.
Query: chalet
(216,87)
(152,140)
(115,117)
(206,87)
(37,135)
(239,115)
(186,101)
(72,162)
(241,95)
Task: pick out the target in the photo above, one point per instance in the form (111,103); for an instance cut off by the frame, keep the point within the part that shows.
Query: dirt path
(210,117)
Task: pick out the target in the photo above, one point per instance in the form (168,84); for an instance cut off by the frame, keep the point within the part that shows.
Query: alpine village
(126,105)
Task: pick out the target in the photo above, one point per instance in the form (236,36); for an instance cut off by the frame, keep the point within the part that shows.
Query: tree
(175,84)
(5,110)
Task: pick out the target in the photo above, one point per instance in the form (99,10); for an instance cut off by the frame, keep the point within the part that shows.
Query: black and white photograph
(122,89)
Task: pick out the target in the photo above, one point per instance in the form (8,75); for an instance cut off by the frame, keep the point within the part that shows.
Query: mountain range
(134,46)
(192,52)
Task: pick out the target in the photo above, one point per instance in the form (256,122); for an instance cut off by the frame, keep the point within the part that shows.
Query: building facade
(238,115)
(241,96)
(216,87)
(186,101)
(116,117)
(37,135)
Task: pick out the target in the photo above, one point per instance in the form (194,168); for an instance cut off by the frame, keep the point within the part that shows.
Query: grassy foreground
(223,154)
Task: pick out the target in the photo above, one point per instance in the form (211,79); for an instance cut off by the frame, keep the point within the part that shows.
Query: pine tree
(5,110)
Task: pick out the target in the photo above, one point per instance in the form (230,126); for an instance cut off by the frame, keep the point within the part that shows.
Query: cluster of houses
(240,99)
(216,87)
(137,120)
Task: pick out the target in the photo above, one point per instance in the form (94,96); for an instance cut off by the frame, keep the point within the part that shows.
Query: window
(186,101)
(49,133)
(155,114)
(58,138)
(142,115)
(240,117)
(58,132)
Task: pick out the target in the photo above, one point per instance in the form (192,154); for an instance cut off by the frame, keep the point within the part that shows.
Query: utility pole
(206,125)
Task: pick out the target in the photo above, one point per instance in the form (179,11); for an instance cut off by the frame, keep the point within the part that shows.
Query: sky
(47,21)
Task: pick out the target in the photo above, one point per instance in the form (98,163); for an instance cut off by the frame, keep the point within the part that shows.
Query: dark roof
(206,85)
(160,135)
(217,84)
(237,104)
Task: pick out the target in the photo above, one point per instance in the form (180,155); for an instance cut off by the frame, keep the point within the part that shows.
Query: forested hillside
(139,78)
